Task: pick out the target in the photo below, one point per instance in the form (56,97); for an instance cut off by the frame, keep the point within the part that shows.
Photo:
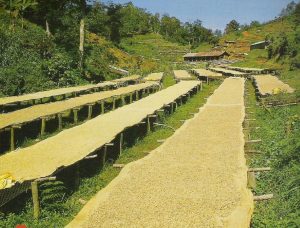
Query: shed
(259,45)
(205,56)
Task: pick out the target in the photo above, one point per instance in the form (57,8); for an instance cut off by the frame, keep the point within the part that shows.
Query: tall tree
(232,26)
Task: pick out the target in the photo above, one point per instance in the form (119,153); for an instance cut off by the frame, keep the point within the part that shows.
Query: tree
(17,8)
(218,33)
(114,14)
(290,8)
(232,26)
(297,14)
(155,23)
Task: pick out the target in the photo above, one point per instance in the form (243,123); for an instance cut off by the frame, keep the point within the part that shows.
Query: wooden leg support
(137,95)
(59,116)
(43,126)
(130,98)
(104,156)
(102,107)
(123,100)
(90,111)
(12,139)
(75,113)
(114,103)
(148,125)
(35,199)
(121,143)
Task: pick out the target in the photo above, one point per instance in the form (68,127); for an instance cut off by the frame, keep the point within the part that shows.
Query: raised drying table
(157,77)
(14,120)
(207,74)
(37,98)
(228,72)
(267,85)
(72,145)
(182,75)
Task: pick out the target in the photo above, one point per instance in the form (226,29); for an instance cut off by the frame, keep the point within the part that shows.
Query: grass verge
(280,147)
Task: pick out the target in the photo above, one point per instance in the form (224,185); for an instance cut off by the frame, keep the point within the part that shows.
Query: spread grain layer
(207,73)
(230,72)
(51,93)
(72,145)
(246,69)
(268,84)
(197,178)
(43,110)
(182,75)
(129,78)
(154,77)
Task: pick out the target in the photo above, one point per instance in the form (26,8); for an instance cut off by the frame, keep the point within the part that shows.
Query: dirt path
(197,178)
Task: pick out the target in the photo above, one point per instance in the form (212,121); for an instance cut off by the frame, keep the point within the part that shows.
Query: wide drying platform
(207,73)
(269,85)
(72,145)
(154,77)
(228,72)
(128,79)
(182,75)
(52,93)
(197,178)
(43,110)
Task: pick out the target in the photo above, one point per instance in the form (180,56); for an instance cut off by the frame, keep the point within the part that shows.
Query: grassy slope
(279,131)
(89,186)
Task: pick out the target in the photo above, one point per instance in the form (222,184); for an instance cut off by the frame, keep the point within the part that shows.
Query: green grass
(89,186)
(155,47)
(280,147)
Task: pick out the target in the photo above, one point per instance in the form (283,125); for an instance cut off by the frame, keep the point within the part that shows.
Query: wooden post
(104,156)
(77,176)
(114,103)
(148,125)
(43,126)
(251,180)
(130,98)
(137,95)
(121,143)
(172,108)
(175,104)
(35,199)
(75,112)
(59,116)
(201,87)
(102,107)
(207,81)
(123,100)
(90,111)
(12,139)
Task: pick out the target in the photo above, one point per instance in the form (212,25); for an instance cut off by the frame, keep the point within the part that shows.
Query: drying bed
(154,77)
(182,75)
(73,145)
(270,85)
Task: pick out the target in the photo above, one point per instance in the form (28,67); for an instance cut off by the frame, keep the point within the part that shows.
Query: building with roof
(205,56)
(259,45)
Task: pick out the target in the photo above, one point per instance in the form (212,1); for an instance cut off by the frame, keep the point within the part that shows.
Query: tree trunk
(81,49)
(47,28)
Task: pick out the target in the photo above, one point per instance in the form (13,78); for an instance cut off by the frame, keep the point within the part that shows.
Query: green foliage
(52,195)
(279,131)
(232,26)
